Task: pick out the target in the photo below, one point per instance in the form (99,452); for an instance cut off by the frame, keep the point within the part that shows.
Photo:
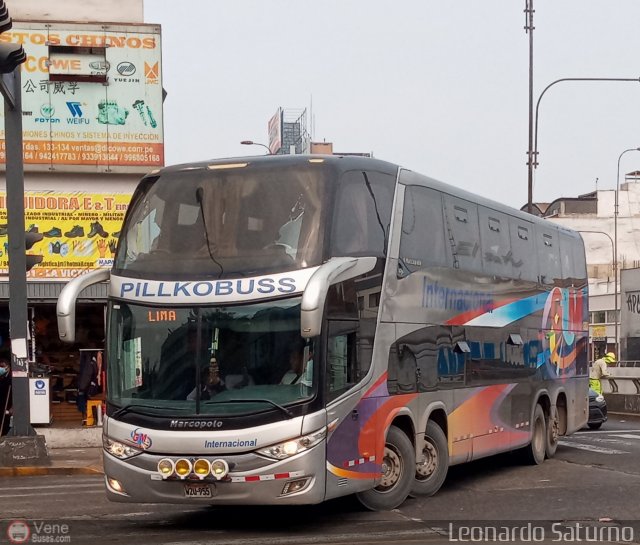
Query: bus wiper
(212,252)
(133,407)
(272,403)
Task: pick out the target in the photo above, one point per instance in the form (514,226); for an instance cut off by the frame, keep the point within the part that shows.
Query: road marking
(43,487)
(591,448)
(101,491)
(625,436)
(605,431)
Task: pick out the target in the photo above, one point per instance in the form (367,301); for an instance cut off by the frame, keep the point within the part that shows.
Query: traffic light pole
(22,445)
(17,262)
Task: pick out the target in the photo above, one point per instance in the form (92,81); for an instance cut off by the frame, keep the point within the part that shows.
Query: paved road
(594,479)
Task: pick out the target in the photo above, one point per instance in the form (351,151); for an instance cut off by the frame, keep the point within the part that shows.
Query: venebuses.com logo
(22,531)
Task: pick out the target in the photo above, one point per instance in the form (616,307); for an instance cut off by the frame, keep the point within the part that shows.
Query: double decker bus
(290,329)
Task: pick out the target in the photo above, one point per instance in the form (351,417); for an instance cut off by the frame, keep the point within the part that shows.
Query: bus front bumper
(293,481)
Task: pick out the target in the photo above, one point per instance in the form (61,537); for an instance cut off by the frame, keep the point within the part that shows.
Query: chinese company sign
(70,119)
(80,231)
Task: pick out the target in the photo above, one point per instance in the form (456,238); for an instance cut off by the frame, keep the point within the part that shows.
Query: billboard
(80,231)
(275,132)
(91,97)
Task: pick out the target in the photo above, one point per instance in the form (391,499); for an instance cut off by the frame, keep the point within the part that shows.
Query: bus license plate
(192,490)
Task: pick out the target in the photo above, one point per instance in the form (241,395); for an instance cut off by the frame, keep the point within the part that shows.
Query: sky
(437,86)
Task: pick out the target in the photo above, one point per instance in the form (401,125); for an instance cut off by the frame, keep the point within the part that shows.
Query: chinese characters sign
(80,231)
(71,116)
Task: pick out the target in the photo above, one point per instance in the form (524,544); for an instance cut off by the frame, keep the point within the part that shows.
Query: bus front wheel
(398,468)
(535,451)
(432,470)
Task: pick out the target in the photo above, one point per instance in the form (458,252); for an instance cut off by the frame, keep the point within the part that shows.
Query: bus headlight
(118,449)
(294,446)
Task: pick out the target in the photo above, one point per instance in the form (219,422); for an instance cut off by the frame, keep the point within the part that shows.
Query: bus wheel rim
(391,468)
(430,464)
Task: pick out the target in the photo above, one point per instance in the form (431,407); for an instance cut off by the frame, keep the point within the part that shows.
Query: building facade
(92,105)
(593,215)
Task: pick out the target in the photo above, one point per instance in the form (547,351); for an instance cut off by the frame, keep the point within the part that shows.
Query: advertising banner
(80,231)
(91,96)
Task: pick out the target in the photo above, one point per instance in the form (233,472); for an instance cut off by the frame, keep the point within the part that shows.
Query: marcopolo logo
(126,68)
(195,424)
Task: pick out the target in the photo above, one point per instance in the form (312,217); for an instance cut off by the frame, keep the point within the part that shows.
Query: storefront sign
(91,96)
(80,231)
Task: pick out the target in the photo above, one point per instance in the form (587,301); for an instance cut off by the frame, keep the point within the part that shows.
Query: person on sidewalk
(599,370)
(6,405)
(87,381)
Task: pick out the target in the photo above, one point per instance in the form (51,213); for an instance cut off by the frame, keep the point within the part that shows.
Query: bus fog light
(115,485)
(295,486)
(201,468)
(183,468)
(219,469)
(165,467)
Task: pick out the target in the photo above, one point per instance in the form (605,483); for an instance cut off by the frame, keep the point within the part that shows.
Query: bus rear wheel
(535,451)
(553,432)
(398,468)
(432,471)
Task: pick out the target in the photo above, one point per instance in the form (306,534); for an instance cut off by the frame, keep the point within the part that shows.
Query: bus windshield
(255,220)
(209,360)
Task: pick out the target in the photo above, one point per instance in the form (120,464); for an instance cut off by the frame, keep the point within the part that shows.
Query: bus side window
(496,245)
(523,253)
(422,243)
(461,221)
(548,251)
(348,357)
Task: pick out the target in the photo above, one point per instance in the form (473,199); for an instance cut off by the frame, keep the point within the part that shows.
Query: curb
(29,471)
(34,471)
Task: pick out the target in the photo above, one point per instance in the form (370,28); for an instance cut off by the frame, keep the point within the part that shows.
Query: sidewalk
(63,461)
(71,452)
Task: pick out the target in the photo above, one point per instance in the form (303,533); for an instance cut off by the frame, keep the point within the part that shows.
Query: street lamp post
(533,153)
(615,238)
(615,295)
(252,143)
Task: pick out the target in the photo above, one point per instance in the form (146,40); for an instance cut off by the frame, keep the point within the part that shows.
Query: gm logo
(126,69)
(46,110)
(74,108)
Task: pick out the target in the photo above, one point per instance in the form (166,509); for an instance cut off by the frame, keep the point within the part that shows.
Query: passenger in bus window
(210,382)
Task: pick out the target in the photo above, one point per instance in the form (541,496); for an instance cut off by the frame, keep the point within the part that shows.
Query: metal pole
(17,263)
(529,29)
(534,154)
(615,261)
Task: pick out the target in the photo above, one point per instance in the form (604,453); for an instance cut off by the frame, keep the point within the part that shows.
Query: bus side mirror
(66,307)
(335,270)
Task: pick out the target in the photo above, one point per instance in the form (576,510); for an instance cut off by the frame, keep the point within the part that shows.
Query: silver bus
(290,329)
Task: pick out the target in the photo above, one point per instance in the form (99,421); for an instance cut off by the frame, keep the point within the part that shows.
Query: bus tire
(433,471)
(553,432)
(398,469)
(535,451)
